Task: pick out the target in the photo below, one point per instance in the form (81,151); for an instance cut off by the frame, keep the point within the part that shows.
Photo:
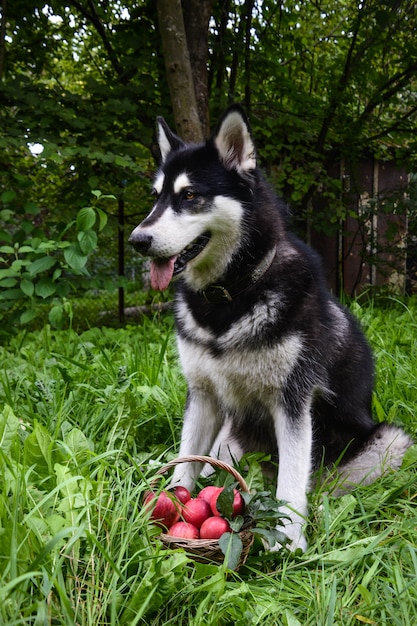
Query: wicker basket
(205,550)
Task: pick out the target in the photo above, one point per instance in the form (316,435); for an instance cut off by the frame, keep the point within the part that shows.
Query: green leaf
(365,593)
(4,234)
(56,316)
(17,264)
(47,246)
(92,181)
(45,288)
(237,523)
(86,218)
(6,214)
(9,426)
(27,287)
(87,240)
(378,408)
(73,488)
(8,282)
(231,546)
(10,294)
(271,535)
(6,250)
(224,501)
(410,457)
(102,216)
(57,273)
(8,196)
(289,619)
(78,445)
(56,523)
(37,451)
(5,273)
(122,161)
(32,208)
(41,265)
(28,315)
(75,257)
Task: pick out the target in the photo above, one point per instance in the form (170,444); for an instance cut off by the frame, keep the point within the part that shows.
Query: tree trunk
(178,67)
(196,21)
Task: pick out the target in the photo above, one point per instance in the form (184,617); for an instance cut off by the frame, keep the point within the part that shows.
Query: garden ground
(88,418)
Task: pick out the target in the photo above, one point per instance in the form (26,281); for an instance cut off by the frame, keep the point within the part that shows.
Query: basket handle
(203,459)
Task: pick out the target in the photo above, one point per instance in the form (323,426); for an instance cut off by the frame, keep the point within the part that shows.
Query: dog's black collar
(221,294)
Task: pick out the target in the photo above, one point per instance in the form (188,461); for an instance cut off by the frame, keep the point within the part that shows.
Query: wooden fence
(370,247)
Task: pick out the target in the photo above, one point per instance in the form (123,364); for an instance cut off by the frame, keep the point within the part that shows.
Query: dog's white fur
(238,378)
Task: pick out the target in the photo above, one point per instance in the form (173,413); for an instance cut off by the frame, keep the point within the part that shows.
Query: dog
(273,362)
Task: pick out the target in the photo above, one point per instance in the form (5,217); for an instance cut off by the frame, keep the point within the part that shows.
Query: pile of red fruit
(192,518)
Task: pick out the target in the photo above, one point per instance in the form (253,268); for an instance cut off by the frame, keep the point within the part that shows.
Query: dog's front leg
(202,422)
(294,436)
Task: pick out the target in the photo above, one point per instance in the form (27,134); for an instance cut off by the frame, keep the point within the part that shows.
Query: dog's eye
(154,193)
(190,194)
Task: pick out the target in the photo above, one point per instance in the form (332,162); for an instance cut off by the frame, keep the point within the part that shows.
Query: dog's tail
(383,451)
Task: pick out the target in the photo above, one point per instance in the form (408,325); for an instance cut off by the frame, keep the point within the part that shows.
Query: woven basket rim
(197,458)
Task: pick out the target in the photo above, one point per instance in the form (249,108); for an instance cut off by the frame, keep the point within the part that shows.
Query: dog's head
(197,223)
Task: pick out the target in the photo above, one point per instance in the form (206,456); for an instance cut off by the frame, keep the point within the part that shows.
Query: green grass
(88,417)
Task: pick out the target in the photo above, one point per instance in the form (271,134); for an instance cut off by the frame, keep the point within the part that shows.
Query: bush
(42,262)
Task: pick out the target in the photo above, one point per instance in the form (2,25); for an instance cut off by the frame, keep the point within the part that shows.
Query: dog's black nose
(140,241)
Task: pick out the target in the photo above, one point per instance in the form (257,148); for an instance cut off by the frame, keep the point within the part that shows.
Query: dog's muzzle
(140,241)
(164,268)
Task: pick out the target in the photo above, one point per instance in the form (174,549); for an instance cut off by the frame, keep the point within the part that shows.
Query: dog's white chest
(240,377)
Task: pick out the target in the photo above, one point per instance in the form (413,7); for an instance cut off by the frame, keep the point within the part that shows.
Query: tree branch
(387,90)
(397,126)
(95,20)
(340,88)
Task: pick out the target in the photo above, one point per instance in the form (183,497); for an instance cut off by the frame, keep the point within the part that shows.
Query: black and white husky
(273,363)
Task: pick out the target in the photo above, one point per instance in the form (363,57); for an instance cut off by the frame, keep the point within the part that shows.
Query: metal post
(121,254)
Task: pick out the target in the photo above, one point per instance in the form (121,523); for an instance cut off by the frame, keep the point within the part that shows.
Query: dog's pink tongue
(161,273)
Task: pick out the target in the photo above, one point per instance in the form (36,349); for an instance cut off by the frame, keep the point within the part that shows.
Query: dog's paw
(298,544)
(207,471)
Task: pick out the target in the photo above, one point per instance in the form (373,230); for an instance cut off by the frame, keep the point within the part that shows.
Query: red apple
(207,492)
(183,530)
(238,503)
(182,494)
(166,511)
(214,527)
(213,502)
(195,511)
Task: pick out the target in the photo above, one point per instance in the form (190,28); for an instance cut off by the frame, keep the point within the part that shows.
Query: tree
(68,83)
(323,78)
(178,68)
(85,80)
(197,15)
(316,77)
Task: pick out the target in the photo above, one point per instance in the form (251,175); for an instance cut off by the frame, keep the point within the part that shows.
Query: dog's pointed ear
(233,141)
(167,140)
